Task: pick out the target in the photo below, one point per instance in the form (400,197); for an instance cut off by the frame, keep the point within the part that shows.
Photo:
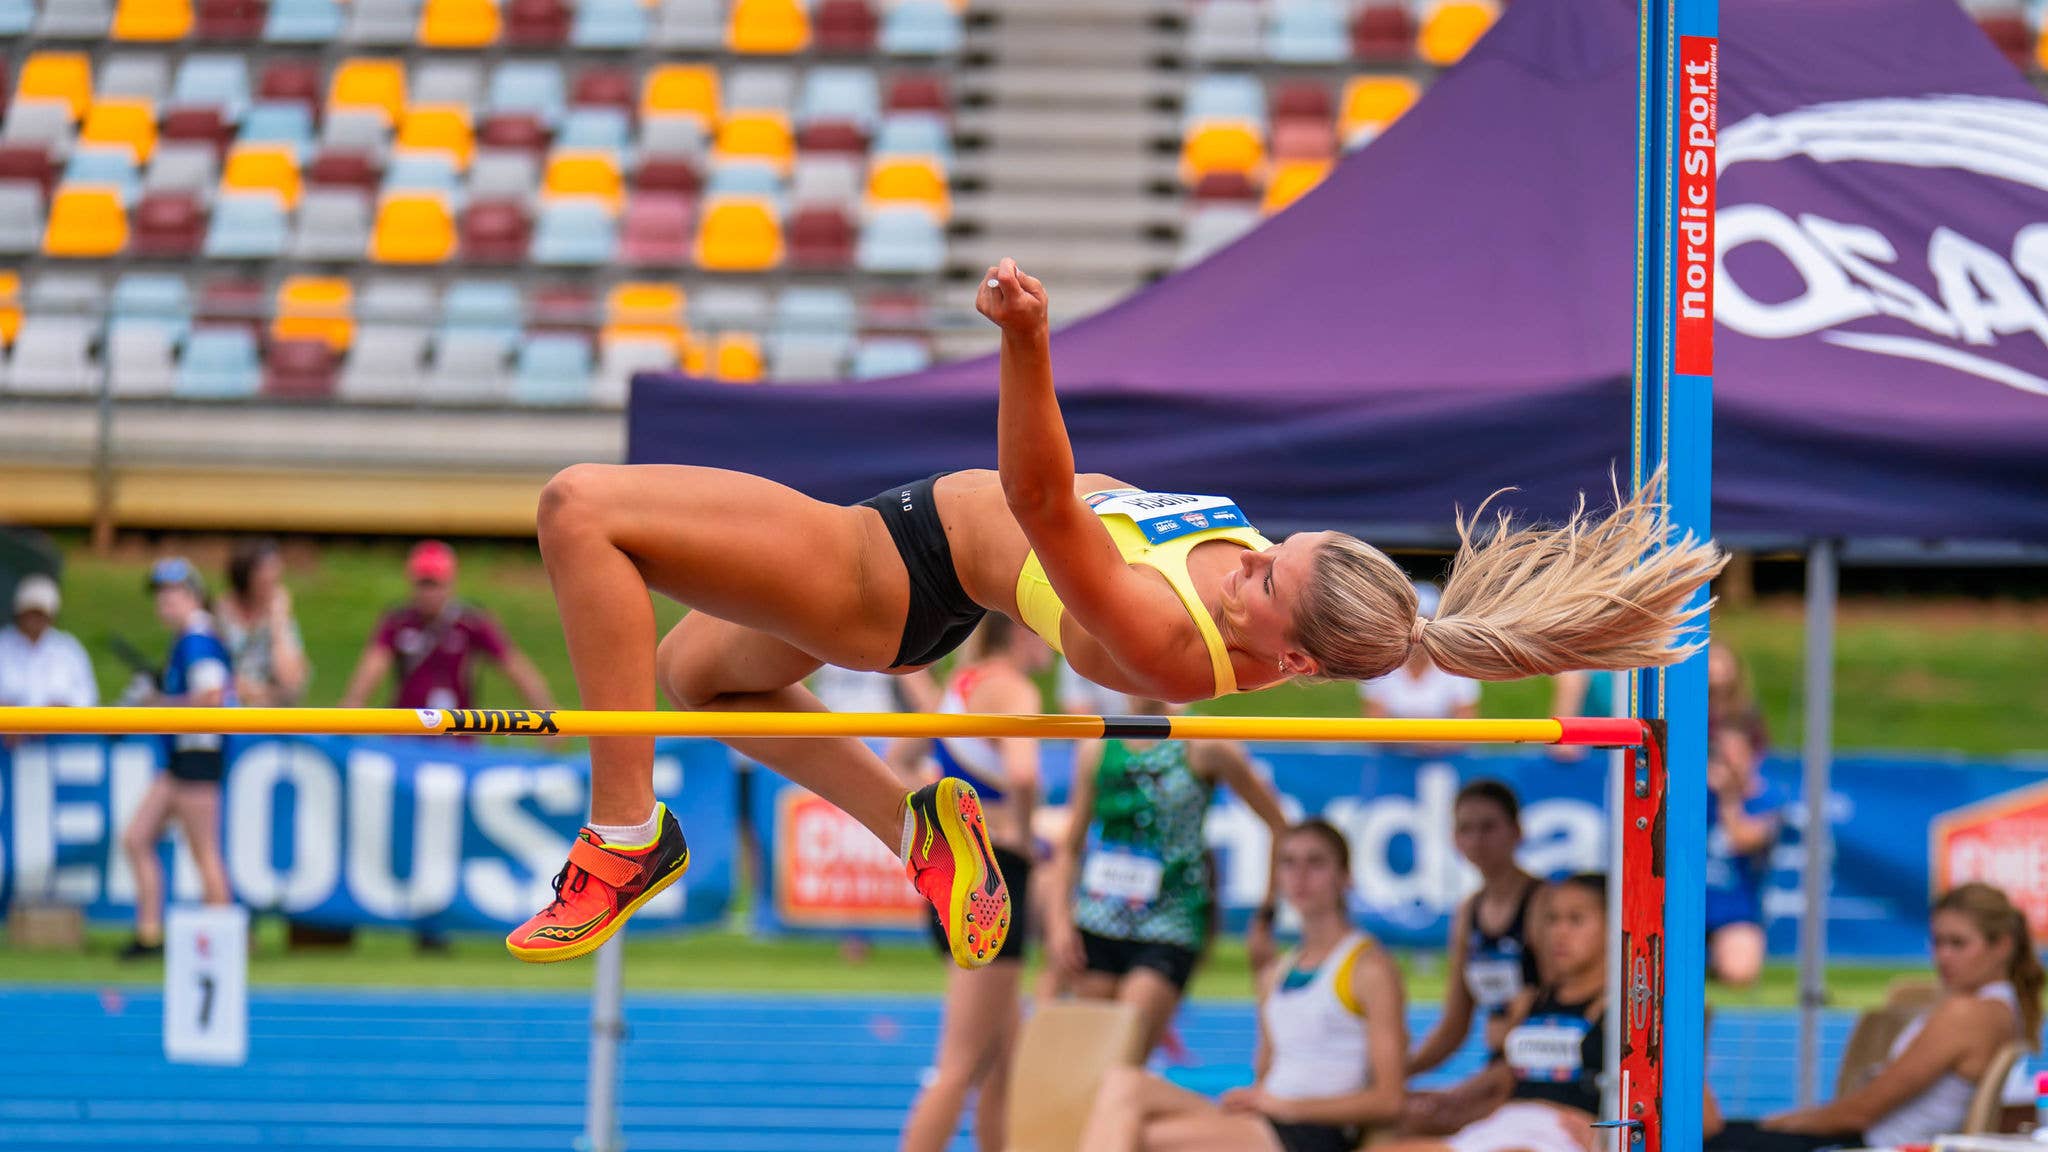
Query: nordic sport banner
(1901,825)
(353,831)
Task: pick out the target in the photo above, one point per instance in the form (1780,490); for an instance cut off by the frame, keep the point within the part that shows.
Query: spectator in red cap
(432,642)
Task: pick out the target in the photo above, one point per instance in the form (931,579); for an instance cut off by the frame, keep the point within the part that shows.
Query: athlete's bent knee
(571,497)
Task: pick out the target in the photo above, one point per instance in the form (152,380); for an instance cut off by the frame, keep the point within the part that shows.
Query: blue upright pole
(1673,415)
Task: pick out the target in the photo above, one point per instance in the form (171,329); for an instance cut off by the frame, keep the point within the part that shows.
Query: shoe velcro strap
(609,867)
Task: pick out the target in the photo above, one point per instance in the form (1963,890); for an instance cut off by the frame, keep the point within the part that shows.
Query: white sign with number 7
(206,985)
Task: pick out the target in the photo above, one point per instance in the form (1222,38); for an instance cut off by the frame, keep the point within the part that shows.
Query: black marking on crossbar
(1137,727)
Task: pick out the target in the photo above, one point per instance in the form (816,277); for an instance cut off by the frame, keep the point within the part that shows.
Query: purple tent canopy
(1450,312)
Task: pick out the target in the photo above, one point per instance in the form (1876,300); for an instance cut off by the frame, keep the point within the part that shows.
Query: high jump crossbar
(1580,731)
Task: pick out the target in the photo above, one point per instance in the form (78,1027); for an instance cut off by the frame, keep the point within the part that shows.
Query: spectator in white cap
(41,665)
(1418,689)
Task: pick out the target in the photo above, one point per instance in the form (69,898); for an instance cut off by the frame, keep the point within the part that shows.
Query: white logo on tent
(1979,293)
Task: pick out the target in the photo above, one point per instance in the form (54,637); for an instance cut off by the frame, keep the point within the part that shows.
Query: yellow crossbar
(732,725)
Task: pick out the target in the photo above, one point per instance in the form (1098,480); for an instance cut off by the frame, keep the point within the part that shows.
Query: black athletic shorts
(197,765)
(1017,877)
(1316,1137)
(941,615)
(1119,957)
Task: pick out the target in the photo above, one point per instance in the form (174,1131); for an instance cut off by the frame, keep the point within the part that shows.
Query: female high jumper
(1163,596)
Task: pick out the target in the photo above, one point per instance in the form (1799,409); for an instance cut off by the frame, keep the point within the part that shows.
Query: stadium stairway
(400,1069)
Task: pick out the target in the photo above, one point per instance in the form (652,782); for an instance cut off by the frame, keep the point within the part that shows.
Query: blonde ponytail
(1604,593)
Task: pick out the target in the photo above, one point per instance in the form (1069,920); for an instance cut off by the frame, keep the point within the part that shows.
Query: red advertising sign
(2002,841)
(1698,122)
(830,872)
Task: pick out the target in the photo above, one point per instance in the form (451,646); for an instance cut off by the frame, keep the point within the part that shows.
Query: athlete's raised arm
(1104,596)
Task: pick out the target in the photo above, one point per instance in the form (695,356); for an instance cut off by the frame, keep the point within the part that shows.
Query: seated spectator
(1541,1093)
(257,625)
(1743,821)
(41,665)
(1418,689)
(432,642)
(1332,1036)
(1990,995)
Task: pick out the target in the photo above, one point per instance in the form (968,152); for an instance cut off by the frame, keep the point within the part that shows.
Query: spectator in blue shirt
(196,674)
(1744,817)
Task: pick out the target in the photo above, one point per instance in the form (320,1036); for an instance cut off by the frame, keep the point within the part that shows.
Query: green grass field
(1949,674)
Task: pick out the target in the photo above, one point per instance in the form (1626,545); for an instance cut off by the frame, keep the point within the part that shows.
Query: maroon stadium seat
(536,23)
(668,174)
(234,303)
(1303,101)
(1225,186)
(832,136)
(821,237)
(513,130)
(906,313)
(495,231)
(299,370)
(843,26)
(919,92)
(1383,30)
(2008,32)
(657,228)
(28,162)
(167,224)
(342,168)
(569,308)
(198,125)
(606,88)
(293,81)
(1304,140)
(229,19)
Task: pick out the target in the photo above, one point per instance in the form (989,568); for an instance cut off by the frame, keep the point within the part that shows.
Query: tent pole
(1816,765)
(607,1027)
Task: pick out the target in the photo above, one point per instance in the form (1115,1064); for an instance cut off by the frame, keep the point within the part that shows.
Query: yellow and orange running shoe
(953,866)
(597,889)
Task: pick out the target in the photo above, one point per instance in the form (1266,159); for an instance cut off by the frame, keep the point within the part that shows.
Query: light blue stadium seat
(690,25)
(890,356)
(914,134)
(481,305)
(303,22)
(533,87)
(759,88)
(16,16)
(743,178)
(554,368)
(575,231)
(155,299)
(609,24)
(278,122)
(75,19)
(1225,96)
(469,365)
(1308,32)
(424,172)
(105,168)
(246,226)
(1225,30)
(840,93)
(219,364)
(920,28)
(901,239)
(215,80)
(21,217)
(803,358)
(816,310)
(595,129)
(394,22)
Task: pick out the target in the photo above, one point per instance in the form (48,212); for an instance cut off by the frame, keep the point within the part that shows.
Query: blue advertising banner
(353,831)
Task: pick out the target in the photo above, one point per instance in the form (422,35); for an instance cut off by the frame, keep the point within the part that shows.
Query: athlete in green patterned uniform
(1130,900)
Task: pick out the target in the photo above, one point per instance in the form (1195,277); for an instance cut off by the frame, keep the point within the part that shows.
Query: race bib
(1548,1048)
(1493,980)
(1118,874)
(1161,516)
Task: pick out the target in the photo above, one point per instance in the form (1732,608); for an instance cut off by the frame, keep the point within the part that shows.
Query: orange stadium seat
(86,223)
(1451,28)
(1373,102)
(645,310)
(1221,147)
(413,228)
(10,305)
(588,174)
(739,235)
(438,128)
(315,308)
(368,83)
(736,358)
(153,20)
(768,27)
(681,90)
(459,23)
(263,168)
(1291,179)
(763,136)
(123,123)
(65,77)
(909,180)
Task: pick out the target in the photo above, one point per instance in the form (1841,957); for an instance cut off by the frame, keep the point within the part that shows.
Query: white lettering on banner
(131,768)
(35,846)
(1245,845)
(1978,295)
(436,836)
(315,866)
(497,798)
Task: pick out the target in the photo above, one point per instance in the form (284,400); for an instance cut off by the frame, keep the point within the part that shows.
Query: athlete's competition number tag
(1161,516)
(1493,980)
(1548,1048)
(1120,874)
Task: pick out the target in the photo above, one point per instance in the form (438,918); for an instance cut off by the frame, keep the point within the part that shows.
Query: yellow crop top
(1156,529)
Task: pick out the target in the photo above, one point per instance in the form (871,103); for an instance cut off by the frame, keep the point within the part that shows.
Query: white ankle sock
(631,835)
(909,833)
